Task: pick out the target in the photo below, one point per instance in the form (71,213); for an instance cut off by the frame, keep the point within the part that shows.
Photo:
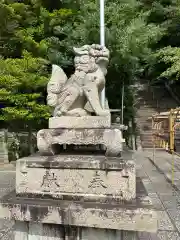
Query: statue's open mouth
(103,60)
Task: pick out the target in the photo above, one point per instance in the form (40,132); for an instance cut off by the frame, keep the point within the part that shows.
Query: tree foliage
(24,61)
(128,37)
(21,82)
(163,64)
(33,30)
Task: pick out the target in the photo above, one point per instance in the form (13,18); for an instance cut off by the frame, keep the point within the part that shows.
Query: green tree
(163,64)
(9,44)
(21,81)
(24,68)
(128,37)
(49,29)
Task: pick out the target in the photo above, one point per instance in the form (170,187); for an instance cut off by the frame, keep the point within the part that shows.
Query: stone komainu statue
(79,95)
(78,117)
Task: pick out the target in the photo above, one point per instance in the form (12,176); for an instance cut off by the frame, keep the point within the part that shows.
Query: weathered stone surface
(21,231)
(74,161)
(130,217)
(76,176)
(38,231)
(48,139)
(80,122)
(79,95)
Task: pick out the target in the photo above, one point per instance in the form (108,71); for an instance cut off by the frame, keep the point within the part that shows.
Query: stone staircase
(150,100)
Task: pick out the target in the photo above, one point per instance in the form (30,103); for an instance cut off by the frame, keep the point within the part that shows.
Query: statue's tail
(57,81)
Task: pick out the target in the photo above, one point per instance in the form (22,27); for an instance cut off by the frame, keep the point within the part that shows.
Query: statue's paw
(77,112)
(104,113)
(57,113)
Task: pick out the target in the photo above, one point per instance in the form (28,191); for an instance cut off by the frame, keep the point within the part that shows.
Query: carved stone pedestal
(48,140)
(80,122)
(77,197)
(46,219)
(79,177)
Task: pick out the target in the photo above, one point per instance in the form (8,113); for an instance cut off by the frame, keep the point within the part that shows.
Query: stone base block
(78,177)
(49,139)
(38,231)
(137,216)
(80,122)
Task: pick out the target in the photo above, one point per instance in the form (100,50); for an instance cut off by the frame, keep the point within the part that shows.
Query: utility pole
(122,104)
(102,43)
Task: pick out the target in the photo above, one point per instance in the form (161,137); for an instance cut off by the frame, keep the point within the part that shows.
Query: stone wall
(14,145)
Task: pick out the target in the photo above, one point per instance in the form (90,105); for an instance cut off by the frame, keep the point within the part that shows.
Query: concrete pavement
(165,197)
(7,184)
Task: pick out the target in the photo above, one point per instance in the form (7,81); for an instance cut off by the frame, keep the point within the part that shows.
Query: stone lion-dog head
(91,57)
